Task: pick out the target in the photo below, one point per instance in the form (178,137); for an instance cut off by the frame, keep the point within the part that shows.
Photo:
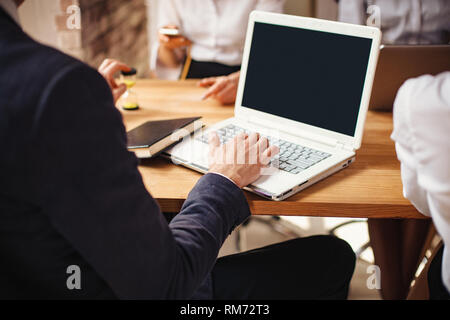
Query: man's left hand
(108,69)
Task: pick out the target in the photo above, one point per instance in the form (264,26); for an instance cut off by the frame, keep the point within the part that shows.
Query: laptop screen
(312,77)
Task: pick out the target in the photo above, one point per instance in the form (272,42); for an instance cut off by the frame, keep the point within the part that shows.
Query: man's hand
(107,69)
(224,88)
(241,159)
(173,42)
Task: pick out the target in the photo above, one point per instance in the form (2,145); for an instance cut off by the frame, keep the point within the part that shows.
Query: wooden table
(370,188)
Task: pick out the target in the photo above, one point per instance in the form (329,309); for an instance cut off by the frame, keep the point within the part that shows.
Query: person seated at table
(214,31)
(397,244)
(76,221)
(421,134)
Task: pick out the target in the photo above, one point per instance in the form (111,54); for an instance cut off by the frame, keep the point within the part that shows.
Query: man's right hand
(241,159)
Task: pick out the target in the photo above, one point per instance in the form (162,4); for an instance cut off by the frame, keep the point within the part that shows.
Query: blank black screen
(308,76)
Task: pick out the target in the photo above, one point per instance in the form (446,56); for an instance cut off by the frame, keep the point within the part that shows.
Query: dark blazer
(71,193)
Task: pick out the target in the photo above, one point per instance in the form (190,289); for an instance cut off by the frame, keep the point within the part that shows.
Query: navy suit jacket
(71,193)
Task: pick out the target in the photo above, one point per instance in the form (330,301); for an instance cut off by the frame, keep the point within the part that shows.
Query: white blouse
(403,21)
(217,28)
(422,136)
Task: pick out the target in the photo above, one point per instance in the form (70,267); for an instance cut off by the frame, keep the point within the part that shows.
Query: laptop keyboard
(293,158)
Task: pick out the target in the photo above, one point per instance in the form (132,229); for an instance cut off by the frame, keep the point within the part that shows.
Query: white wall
(152,12)
(38,20)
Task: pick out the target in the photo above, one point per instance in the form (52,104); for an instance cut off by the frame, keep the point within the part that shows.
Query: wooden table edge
(340,210)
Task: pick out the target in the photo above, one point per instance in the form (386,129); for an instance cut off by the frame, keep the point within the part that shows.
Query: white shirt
(403,21)
(422,136)
(217,28)
(11,8)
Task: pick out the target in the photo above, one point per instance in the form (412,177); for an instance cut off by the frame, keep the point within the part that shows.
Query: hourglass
(129,99)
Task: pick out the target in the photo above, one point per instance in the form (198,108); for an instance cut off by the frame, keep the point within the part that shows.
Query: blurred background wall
(107,28)
(38,20)
(118,29)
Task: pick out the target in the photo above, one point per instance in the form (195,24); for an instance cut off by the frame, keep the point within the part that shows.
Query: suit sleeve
(90,187)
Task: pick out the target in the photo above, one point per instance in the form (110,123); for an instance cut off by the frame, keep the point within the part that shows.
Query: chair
(361,249)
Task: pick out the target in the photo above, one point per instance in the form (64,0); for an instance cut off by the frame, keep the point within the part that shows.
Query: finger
(227,95)
(262,146)
(207,82)
(242,141)
(242,136)
(253,148)
(231,148)
(119,91)
(215,152)
(163,38)
(219,85)
(253,138)
(269,154)
(112,82)
(241,148)
(102,71)
(177,42)
(214,140)
(111,69)
(105,63)
(182,40)
(116,66)
(109,80)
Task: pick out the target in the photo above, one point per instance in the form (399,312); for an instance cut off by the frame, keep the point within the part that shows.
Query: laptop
(305,84)
(400,63)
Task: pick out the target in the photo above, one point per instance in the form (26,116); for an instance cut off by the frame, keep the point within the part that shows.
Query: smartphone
(169,32)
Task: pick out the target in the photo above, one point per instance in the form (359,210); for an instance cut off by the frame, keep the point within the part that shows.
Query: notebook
(152,137)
